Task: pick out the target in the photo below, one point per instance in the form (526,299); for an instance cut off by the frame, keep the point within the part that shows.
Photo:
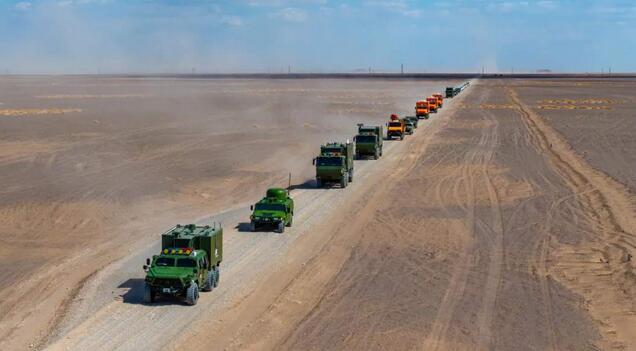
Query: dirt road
(488,234)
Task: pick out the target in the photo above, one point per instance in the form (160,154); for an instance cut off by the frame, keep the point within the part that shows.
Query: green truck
(368,141)
(276,210)
(413,120)
(451,92)
(334,165)
(409,127)
(189,262)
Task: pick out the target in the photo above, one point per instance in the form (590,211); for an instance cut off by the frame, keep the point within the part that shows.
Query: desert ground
(506,222)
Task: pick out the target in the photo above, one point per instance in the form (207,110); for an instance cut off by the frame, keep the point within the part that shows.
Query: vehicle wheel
(209,281)
(192,294)
(402,137)
(351,176)
(318,183)
(149,295)
(291,219)
(252,226)
(217,276)
(281,227)
(375,157)
(380,152)
(343,181)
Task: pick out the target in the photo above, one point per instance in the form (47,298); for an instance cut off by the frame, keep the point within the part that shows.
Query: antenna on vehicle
(289,184)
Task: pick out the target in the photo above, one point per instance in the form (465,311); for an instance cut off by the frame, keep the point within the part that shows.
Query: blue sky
(89,36)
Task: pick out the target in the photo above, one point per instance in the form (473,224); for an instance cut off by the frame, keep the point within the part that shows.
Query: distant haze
(171,36)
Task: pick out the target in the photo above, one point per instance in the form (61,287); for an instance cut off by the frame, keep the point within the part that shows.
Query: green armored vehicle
(408,126)
(275,209)
(413,120)
(189,262)
(334,164)
(368,141)
(450,92)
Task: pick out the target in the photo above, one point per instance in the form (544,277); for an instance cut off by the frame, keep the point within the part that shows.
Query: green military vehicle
(334,164)
(408,126)
(275,209)
(413,120)
(189,262)
(450,92)
(368,141)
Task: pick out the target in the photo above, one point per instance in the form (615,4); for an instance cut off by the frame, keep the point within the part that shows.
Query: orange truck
(440,99)
(421,109)
(432,103)
(395,128)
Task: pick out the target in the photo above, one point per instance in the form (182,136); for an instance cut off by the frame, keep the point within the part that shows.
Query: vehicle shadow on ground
(243,227)
(309,184)
(135,294)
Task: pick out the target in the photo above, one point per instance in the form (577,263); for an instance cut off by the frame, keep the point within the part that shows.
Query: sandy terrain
(490,232)
(130,157)
(506,222)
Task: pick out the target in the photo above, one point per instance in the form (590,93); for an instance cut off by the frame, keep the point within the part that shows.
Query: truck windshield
(395,124)
(186,262)
(164,262)
(329,161)
(270,207)
(365,138)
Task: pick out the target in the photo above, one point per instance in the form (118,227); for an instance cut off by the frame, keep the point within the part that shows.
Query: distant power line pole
(402,68)
(289,69)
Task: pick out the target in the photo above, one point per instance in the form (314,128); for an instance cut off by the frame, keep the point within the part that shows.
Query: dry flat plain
(506,222)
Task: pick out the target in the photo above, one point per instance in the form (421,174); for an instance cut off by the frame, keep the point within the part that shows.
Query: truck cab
(276,210)
(440,100)
(396,129)
(450,92)
(189,262)
(421,109)
(334,165)
(432,104)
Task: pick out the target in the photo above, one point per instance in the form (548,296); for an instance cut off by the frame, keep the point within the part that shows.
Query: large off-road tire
(318,183)
(376,155)
(380,152)
(217,275)
(402,137)
(149,295)
(344,180)
(351,176)
(280,227)
(252,226)
(291,219)
(209,281)
(192,294)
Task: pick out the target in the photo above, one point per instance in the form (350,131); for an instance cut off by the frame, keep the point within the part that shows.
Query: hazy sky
(90,36)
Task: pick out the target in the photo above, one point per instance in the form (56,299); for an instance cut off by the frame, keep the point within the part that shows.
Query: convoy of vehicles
(191,255)
(334,165)
(189,262)
(275,210)
(368,141)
